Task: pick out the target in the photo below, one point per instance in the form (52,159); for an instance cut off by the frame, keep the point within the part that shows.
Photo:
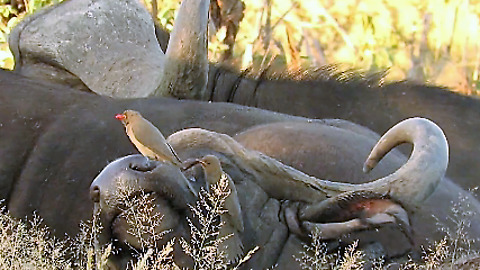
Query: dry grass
(139,213)
(438,256)
(316,257)
(205,241)
(452,252)
(30,246)
(434,40)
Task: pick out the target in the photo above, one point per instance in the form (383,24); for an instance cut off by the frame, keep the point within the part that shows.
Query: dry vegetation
(433,41)
(29,245)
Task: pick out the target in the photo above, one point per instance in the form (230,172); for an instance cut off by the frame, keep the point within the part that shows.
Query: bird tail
(232,245)
(174,153)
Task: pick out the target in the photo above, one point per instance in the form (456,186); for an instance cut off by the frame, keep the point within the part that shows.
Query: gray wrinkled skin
(264,226)
(306,147)
(51,176)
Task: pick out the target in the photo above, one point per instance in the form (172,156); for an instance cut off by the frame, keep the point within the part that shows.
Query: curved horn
(410,184)
(186,65)
(427,164)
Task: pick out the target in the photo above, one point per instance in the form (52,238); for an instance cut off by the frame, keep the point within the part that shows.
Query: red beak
(120,116)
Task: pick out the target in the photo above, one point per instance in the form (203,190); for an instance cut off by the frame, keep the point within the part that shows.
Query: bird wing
(232,204)
(149,136)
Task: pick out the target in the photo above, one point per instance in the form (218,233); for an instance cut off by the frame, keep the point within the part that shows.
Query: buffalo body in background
(114,51)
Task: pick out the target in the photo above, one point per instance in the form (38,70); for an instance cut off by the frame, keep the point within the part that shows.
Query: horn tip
(367,167)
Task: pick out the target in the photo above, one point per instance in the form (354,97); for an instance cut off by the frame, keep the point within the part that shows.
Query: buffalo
(55,139)
(111,48)
(267,188)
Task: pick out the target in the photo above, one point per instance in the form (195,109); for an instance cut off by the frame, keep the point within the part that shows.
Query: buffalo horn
(410,184)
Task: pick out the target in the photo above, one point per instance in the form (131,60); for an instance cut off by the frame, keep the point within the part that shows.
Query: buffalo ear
(72,44)
(353,211)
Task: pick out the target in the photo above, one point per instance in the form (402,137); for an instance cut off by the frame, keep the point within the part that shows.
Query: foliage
(138,209)
(29,246)
(11,12)
(435,41)
(316,257)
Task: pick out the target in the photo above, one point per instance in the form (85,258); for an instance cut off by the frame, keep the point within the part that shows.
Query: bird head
(122,117)
(210,160)
(127,116)
(212,167)
(210,163)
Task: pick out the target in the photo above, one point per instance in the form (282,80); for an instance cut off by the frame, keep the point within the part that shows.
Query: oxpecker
(233,220)
(149,141)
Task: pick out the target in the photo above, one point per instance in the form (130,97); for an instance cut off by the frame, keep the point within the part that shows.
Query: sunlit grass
(434,41)
(31,246)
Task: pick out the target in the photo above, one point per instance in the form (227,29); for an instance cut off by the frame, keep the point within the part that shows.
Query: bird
(149,141)
(232,218)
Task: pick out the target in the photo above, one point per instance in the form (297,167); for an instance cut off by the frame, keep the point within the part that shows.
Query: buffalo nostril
(147,167)
(95,194)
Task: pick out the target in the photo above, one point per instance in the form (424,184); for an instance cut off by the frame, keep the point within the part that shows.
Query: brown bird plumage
(149,141)
(233,218)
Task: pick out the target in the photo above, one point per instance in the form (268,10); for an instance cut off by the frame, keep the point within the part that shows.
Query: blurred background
(430,41)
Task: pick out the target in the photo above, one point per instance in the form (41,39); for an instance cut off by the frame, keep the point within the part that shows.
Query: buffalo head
(280,204)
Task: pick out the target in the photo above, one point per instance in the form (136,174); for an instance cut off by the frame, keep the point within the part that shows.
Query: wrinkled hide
(42,172)
(263,224)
